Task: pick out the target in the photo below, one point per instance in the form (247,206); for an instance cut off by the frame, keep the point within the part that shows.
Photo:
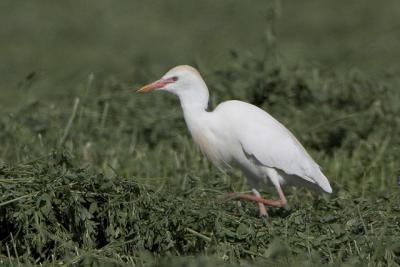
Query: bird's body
(238,134)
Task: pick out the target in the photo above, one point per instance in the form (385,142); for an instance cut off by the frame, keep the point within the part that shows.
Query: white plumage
(238,134)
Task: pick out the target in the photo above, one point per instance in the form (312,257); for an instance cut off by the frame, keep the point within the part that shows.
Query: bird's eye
(174,78)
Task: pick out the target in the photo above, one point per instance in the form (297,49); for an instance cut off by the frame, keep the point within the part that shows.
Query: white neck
(194,102)
(194,97)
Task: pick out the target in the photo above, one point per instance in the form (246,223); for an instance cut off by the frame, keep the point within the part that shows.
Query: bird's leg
(282,197)
(261,206)
(270,202)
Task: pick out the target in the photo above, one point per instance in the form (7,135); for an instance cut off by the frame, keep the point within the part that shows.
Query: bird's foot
(263,210)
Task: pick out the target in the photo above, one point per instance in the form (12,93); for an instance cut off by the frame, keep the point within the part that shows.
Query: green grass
(92,174)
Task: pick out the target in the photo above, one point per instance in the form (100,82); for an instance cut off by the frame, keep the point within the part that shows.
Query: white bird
(242,135)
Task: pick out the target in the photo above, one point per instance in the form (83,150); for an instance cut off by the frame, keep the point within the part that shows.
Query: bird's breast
(209,146)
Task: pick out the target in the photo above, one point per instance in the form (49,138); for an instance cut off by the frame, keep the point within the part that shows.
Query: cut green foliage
(54,210)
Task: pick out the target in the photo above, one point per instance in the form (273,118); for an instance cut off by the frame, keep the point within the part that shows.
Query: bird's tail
(324,183)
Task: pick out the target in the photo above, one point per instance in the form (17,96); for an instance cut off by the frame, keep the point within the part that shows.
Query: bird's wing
(273,145)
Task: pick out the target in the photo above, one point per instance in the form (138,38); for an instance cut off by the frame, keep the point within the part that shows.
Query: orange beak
(155,85)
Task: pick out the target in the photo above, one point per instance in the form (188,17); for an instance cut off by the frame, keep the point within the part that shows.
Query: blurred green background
(64,41)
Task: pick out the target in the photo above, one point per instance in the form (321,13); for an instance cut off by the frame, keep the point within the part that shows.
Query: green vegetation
(92,174)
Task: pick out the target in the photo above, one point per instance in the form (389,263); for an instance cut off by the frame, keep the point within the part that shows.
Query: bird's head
(179,80)
(184,81)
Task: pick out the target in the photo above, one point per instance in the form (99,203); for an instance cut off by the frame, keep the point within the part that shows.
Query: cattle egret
(242,135)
